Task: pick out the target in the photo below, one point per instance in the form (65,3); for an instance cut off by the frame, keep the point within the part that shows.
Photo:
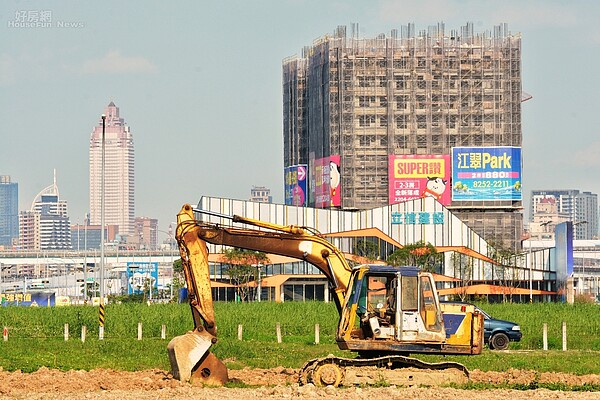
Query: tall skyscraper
(119,207)
(46,225)
(354,109)
(9,211)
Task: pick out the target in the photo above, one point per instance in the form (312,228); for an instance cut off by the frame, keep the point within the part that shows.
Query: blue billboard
(295,185)
(141,276)
(563,234)
(486,173)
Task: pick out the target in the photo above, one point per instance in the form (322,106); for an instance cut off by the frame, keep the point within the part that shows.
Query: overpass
(65,271)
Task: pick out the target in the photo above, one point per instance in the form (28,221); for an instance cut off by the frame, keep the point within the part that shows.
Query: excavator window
(409,291)
(428,309)
(377,291)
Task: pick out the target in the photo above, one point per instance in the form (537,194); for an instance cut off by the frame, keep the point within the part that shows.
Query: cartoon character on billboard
(334,181)
(435,188)
(297,196)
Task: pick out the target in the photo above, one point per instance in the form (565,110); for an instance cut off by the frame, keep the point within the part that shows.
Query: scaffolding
(407,94)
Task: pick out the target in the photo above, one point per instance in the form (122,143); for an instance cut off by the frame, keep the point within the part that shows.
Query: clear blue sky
(199,83)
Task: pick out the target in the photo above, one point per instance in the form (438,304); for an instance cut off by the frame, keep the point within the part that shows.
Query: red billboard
(417,176)
(327,182)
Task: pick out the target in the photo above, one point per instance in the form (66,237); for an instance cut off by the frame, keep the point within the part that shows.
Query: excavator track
(391,370)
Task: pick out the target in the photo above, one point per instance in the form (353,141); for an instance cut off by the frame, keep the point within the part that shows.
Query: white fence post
(545,336)
(66,332)
(564,335)
(278,332)
(317,333)
(163,331)
(83,332)
(240,330)
(139,331)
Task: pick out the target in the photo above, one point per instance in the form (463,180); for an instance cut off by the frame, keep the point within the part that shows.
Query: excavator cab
(393,310)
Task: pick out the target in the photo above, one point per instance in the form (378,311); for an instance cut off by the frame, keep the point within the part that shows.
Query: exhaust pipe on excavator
(191,360)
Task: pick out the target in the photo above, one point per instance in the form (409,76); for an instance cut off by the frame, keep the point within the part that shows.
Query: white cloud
(115,63)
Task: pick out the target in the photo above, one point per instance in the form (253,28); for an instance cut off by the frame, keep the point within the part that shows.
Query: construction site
(410,93)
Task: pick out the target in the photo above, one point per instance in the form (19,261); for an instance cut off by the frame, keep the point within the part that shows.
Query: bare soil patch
(276,383)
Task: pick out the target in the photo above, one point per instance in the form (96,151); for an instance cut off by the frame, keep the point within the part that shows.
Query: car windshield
(485,315)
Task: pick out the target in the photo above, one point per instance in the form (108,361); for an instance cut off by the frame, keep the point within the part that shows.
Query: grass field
(36,336)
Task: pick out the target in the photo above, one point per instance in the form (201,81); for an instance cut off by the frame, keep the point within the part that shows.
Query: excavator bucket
(191,360)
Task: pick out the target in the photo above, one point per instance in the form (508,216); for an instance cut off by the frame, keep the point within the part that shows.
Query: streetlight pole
(85,225)
(101,308)
(169,233)
(582,280)
(530,273)
(530,254)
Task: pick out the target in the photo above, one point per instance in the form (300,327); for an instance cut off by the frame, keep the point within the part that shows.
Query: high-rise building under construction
(355,108)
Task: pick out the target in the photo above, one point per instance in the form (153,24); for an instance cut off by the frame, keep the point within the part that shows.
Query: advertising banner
(30,299)
(295,177)
(415,176)
(327,174)
(486,173)
(141,276)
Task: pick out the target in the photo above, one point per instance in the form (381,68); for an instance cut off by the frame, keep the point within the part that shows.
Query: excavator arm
(189,353)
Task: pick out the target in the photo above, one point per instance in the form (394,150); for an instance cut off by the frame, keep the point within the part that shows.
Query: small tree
(243,268)
(506,272)
(463,269)
(366,248)
(424,256)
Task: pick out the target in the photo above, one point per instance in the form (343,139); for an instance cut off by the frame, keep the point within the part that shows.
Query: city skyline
(202,89)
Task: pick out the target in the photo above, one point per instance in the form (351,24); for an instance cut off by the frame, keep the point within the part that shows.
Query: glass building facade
(9,211)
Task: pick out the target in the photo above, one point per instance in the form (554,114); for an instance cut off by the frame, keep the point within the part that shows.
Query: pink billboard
(327,182)
(417,176)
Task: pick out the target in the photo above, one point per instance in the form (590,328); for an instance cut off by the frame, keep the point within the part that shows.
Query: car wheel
(499,341)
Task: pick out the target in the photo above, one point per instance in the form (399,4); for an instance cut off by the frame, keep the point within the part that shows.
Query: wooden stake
(278,332)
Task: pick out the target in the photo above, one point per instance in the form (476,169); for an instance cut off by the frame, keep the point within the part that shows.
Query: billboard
(486,173)
(141,276)
(563,234)
(42,299)
(327,178)
(417,176)
(295,177)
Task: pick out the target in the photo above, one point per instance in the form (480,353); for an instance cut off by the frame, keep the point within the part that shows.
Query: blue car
(497,334)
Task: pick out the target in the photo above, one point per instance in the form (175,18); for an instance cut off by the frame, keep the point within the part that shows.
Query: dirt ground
(276,383)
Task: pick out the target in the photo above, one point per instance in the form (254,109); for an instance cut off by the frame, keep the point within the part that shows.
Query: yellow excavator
(386,312)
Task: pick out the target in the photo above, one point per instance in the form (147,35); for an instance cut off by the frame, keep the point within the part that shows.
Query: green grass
(36,337)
